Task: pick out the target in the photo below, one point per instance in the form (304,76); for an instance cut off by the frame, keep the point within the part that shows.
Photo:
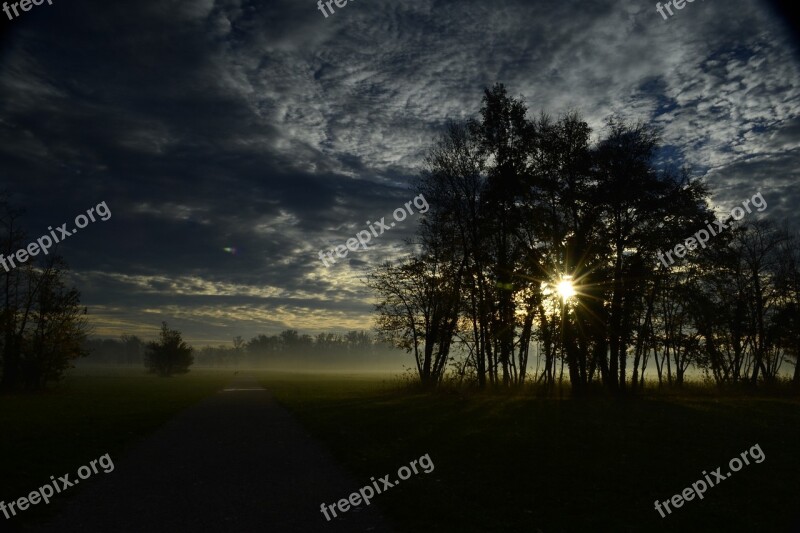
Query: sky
(232,141)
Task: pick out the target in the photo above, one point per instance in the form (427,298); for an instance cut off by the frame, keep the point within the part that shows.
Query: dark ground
(235,462)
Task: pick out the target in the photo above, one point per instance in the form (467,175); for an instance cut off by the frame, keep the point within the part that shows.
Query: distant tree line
(520,207)
(42,324)
(127,350)
(289,347)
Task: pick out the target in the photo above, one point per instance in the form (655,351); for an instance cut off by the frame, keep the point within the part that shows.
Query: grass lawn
(502,463)
(93,412)
(519,463)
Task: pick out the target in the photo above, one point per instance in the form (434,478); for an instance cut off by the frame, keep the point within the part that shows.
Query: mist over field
(289,351)
(333,266)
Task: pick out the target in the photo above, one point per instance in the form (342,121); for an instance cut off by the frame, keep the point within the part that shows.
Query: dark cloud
(233,140)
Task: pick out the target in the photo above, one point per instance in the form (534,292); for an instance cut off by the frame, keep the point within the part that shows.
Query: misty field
(92,412)
(521,463)
(502,462)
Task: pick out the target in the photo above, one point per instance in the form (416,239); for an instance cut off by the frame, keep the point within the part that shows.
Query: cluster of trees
(286,348)
(42,324)
(731,310)
(127,350)
(165,356)
(521,207)
(289,347)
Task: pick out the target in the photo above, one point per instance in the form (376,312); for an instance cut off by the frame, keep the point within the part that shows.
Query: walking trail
(235,462)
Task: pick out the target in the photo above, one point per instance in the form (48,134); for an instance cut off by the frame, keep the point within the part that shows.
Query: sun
(565,288)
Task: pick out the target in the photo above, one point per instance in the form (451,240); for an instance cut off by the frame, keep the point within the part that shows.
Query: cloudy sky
(233,140)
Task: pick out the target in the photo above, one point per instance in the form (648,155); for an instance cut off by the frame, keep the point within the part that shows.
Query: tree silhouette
(520,207)
(42,324)
(169,354)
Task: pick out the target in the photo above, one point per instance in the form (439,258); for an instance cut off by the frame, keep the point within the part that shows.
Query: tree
(417,311)
(131,349)
(169,355)
(57,328)
(42,324)
(519,207)
(787,319)
(14,294)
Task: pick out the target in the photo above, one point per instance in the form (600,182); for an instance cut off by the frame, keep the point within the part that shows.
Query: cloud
(265,128)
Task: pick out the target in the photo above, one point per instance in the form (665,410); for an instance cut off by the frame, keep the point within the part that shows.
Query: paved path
(236,462)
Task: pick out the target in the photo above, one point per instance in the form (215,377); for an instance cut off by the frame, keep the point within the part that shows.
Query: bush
(169,355)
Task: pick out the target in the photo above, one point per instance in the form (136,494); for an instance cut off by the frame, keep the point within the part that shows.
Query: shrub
(169,355)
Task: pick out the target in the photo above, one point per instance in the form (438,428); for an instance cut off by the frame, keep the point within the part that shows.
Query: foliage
(169,355)
(518,205)
(42,324)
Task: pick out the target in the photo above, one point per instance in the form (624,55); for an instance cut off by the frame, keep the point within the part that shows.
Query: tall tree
(58,327)
(519,208)
(417,311)
(42,324)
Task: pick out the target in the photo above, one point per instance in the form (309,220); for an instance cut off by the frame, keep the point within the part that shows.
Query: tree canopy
(521,208)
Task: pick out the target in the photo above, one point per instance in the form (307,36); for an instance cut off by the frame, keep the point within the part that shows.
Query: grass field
(93,412)
(519,463)
(502,463)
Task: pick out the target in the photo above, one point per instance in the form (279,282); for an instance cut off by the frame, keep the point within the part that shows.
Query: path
(236,462)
